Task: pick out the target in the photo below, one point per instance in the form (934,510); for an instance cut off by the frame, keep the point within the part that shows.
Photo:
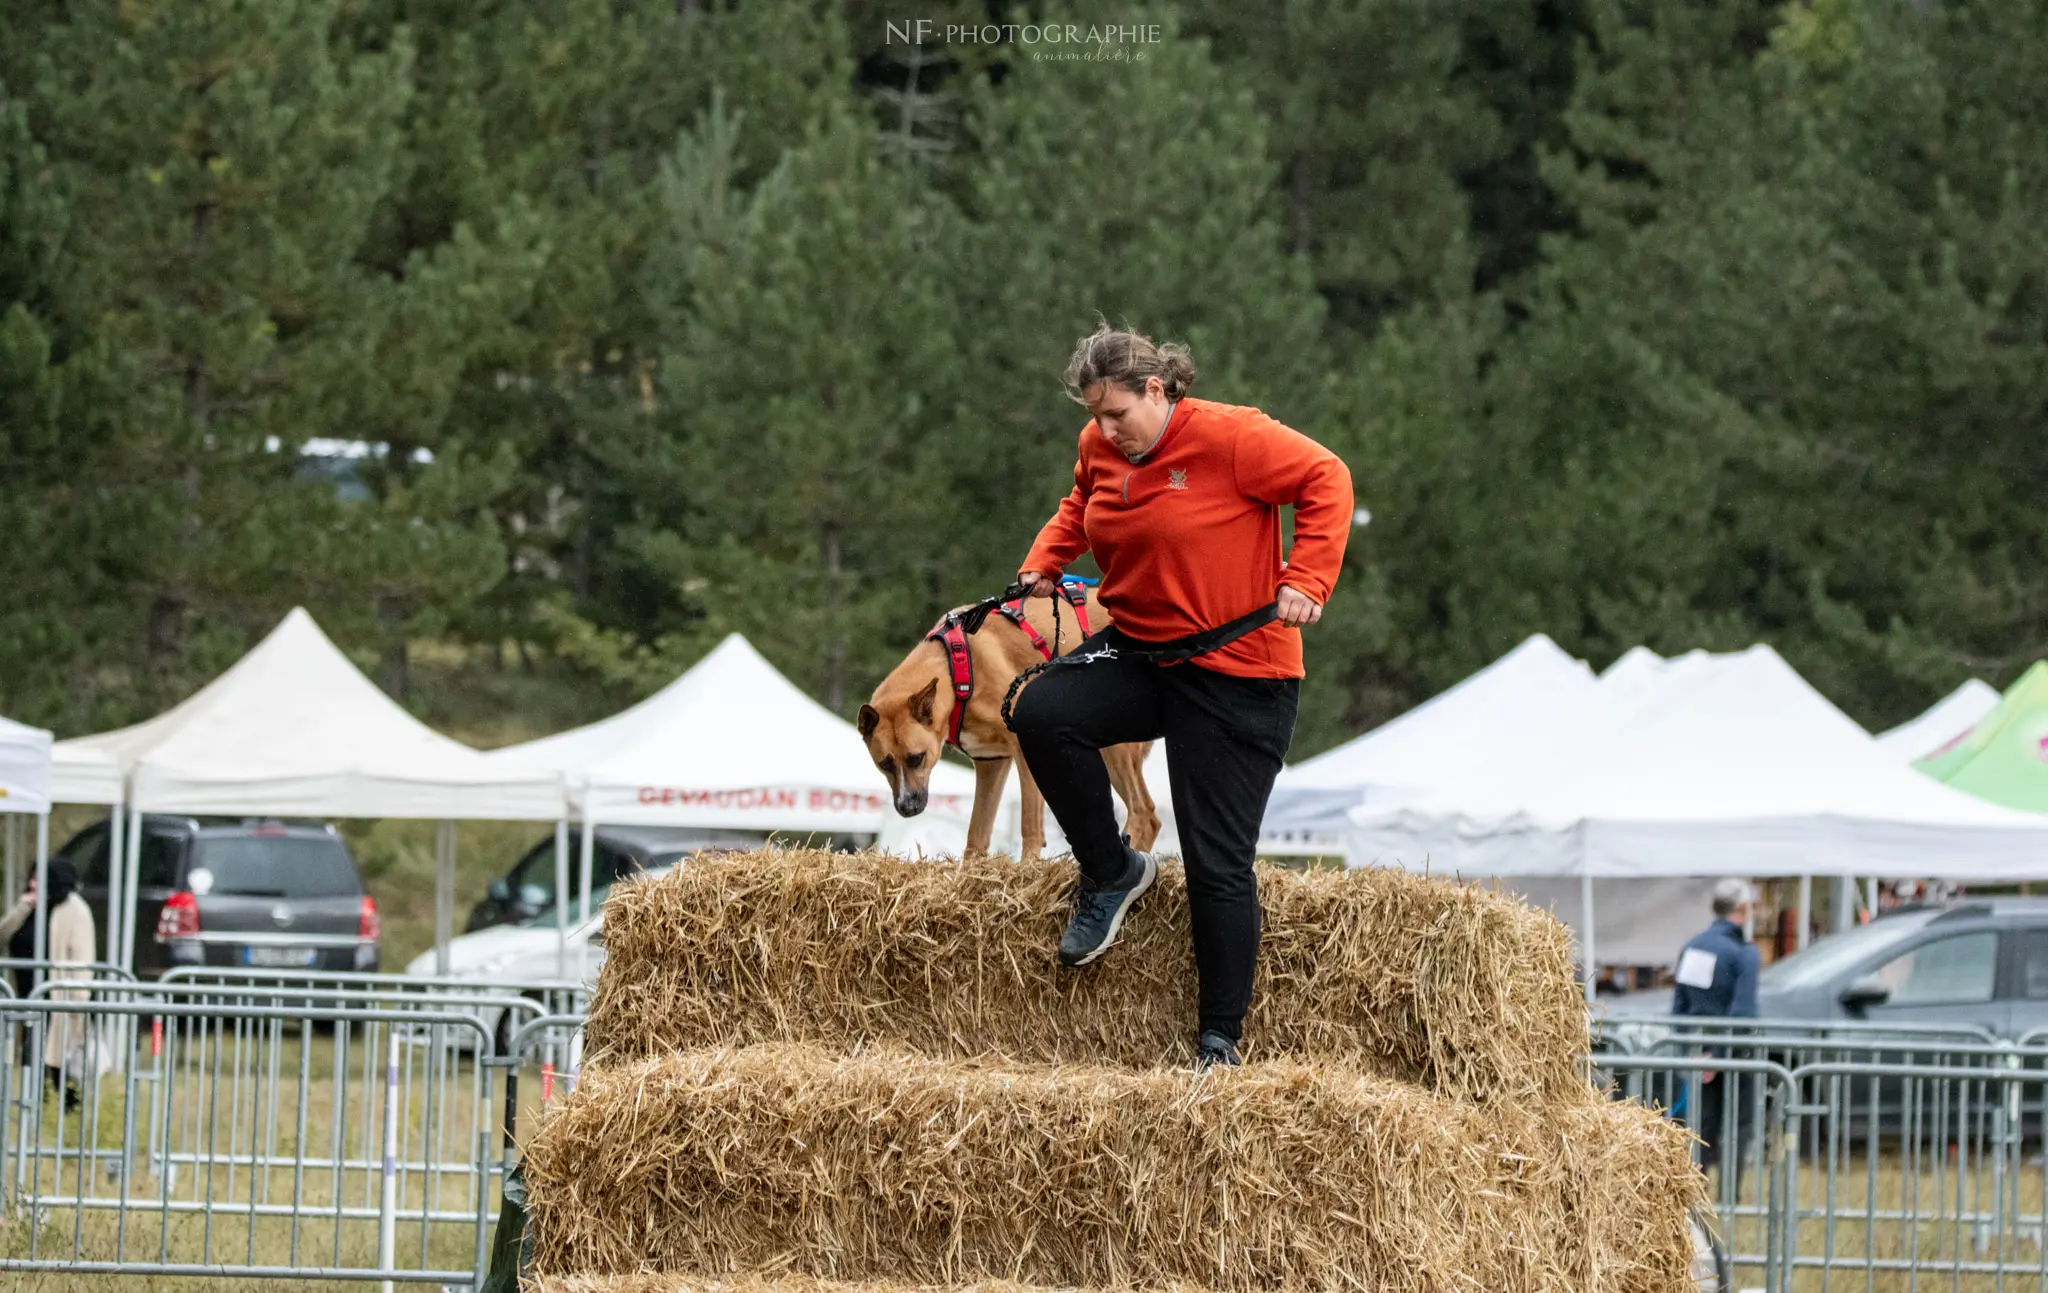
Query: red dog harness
(951,635)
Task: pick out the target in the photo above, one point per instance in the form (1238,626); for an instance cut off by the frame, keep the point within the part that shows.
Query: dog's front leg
(989,776)
(1033,813)
(1126,765)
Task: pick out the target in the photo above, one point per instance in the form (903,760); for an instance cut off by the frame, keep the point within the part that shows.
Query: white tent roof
(81,774)
(1733,766)
(293,729)
(731,743)
(1529,691)
(1532,688)
(1948,719)
(24,768)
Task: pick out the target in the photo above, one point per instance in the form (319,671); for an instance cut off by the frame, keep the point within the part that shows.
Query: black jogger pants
(1225,740)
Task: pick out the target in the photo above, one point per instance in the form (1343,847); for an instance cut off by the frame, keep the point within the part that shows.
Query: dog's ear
(870,718)
(921,703)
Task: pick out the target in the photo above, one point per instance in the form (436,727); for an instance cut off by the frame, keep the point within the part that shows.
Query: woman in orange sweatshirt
(1179,499)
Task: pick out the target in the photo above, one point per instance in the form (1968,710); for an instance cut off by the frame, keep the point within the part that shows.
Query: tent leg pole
(1870,896)
(1586,930)
(444,893)
(134,846)
(42,943)
(589,852)
(1805,913)
(10,871)
(562,897)
(117,882)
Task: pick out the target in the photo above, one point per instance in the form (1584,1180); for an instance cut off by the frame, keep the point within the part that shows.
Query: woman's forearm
(1276,464)
(1322,528)
(16,917)
(1061,541)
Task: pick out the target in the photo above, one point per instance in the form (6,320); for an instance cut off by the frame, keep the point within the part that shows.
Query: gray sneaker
(1214,1050)
(1099,913)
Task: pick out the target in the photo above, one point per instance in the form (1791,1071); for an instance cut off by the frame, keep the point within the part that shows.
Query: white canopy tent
(294,729)
(1728,766)
(1512,710)
(730,744)
(25,792)
(81,774)
(24,768)
(1533,689)
(1513,713)
(1948,719)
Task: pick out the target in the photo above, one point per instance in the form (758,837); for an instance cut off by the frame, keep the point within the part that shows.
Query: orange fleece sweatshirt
(1188,537)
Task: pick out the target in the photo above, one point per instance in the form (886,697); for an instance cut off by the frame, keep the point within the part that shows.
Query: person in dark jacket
(1717,978)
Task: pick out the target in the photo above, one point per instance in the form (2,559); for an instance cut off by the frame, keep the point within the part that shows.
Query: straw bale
(751,1282)
(1463,991)
(891,1166)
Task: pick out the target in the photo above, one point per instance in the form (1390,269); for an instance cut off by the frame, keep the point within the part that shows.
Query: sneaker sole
(1116,922)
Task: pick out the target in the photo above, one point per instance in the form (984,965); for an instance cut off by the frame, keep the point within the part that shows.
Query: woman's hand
(1296,609)
(1037,585)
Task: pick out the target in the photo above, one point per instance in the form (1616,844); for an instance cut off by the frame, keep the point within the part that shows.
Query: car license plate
(280,957)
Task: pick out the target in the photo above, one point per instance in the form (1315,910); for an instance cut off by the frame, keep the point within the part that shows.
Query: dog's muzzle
(911,802)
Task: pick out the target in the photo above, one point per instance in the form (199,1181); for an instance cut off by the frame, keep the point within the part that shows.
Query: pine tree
(230,159)
(1373,124)
(1833,235)
(570,111)
(1138,192)
(56,384)
(803,405)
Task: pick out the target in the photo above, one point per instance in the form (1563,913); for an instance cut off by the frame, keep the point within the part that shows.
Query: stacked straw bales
(809,1067)
(753,1282)
(1443,985)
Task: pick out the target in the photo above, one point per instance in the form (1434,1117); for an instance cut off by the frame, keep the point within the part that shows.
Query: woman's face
(1130,420)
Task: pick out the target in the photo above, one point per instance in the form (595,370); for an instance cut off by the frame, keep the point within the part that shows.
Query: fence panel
(1859,1170)
(1915,1175)
(550,1049)
(147,1131)
(1737,1107)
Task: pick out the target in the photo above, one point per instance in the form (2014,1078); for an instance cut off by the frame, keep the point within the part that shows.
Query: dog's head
(904,741)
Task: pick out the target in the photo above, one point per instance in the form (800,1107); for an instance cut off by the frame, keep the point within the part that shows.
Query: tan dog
(906,721)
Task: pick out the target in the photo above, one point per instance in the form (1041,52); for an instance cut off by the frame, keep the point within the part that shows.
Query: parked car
(528,889)
(1981,962)
(237,892)
(516,959)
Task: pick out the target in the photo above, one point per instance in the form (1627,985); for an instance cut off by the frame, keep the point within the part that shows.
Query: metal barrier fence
(1859,1156)
(358,1130)
(305,1126)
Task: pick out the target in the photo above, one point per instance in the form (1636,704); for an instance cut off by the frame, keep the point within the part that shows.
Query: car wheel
(1710,1270)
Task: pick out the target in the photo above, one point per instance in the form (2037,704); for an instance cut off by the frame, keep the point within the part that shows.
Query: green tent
(2004,758)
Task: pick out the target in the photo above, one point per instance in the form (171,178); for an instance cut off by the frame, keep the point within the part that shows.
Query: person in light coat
(73,939)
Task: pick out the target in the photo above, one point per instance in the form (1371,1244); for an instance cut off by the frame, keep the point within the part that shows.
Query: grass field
(1925,1211)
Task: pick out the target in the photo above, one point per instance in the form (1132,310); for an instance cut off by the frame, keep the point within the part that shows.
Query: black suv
(237,892)
(528,889)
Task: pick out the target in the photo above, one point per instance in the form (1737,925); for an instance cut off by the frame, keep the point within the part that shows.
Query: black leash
(1174,651)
